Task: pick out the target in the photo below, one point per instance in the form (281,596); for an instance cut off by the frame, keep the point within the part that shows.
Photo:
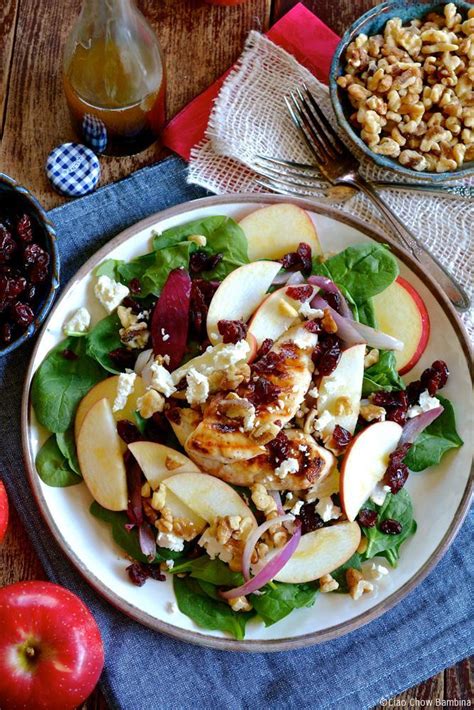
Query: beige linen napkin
(250,118)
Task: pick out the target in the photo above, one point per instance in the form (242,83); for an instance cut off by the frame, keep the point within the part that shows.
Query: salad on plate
(243,414)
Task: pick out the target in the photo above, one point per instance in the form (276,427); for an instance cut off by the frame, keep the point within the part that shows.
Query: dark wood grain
(199,42)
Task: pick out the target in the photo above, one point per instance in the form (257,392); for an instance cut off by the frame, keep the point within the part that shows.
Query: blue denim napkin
(429,630)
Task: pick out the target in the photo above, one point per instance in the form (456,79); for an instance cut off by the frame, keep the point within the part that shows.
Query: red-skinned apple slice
(240,293)
(274,316)
(401,312)
(277,230)
(321,552)
(100,457)
(364,464)
(170,319)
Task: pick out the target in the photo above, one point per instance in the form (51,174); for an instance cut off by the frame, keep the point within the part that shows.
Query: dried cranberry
(134,306)
(135,480)
(123,358)
(435,377)
(174,415)
(135,286)
(139,573)
(34,254)
(333,299)
(314,326)
(69,354)
(299,259)
(399,454)
(397,472)
(6,333)
(327,354)
(397,414)
(269,364)
(264,348)
(279,448)
(391,527)
(16,286)
(390,399)
(300,293)
(8,246)
(201,295)
(22,314)
(158,428)
(262,391)
(312,468)
(24,229)
(128,432)
(200,261)
(367,518)
(232,330)
(310,519)
(38,273)
(341,437)
(413,391)
(29,293)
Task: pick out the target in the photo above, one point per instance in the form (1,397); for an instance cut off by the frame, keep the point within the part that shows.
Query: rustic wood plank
(200,42)
(338,15)
(8,17)
(18,560)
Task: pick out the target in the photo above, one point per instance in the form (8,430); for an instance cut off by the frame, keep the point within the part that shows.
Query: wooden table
(199,42)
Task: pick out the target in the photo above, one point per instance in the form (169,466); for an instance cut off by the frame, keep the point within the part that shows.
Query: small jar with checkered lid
(114,78)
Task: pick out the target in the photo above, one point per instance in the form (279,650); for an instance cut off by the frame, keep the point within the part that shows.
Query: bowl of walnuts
(402,87)
(29,264)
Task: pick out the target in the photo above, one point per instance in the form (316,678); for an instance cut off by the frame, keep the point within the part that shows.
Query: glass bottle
(114,78)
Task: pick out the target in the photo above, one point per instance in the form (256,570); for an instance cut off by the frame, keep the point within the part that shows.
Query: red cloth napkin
(299,32)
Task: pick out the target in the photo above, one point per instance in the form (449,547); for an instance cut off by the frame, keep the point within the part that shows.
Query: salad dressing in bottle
(114,78)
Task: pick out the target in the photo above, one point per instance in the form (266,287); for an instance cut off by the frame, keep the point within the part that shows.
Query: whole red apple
(51,652)
(3,511)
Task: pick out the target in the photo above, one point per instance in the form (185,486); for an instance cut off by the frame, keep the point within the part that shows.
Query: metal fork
(341,168)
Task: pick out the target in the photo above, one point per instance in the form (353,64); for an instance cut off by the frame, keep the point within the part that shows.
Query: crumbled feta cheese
(302,447)
(170,541)
(304,339)
(151,402)
(296,509)
(327,510)
(379,493)
(323,421)
(79,322)
(213,548)
(313,392)
(288,466)
(216,358)
(126,317)
(310,313)
(169,564)
(161,379)
(426,403)
(110,293)
(125,387)
(197,390)
(376,571)
(171,607)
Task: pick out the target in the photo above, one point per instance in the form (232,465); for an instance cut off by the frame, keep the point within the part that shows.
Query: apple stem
(30,651)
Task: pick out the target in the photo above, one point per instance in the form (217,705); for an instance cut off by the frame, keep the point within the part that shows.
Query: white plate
(441,494)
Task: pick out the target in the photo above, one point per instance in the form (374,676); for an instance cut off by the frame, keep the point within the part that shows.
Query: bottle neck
(102,16)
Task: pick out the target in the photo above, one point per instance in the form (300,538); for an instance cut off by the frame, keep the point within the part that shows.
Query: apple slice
(274,316)
(240,294)
(159,462)
(100,457)
(108,389)
(321,552)
(208,497)
(365,462)
(277,230)
(408,321)
(341,391)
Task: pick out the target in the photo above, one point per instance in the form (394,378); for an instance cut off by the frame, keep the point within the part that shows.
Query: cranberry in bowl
(29,264)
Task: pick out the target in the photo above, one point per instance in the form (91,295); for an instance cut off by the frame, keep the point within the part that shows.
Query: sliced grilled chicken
(277,387)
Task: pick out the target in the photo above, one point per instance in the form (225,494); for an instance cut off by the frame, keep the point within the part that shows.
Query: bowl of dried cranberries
(29,264)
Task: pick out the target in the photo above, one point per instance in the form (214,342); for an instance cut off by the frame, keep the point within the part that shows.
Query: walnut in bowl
(402,87)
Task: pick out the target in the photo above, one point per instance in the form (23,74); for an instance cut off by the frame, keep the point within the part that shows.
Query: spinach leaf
(206,611)
(108,268)
(340,573)
(103,338)
(67,446)
(53,467)
(59,384)
(363,269)
(278,600)
(128,541)
(383,375)
(396,507)
(135,269)
(213,571)
(366,313)
(440,436)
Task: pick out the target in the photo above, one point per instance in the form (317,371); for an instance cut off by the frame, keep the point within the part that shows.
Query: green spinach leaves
(53,465)
(440,436)
(383,375)
(396,507)
(277,600)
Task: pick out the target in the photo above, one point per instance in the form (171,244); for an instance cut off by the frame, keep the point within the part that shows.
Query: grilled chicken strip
(277,387)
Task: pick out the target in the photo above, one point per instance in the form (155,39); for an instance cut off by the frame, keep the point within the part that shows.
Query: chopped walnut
(181,527)
(328,323)
(230,379)
(370,412)
(158,499)
(343,406)
(328,584)
(357,584)
(171,463)
(231,527)
(371,358)
(240,604)
(136,336)
(151,402)
(265,432)
(263,501)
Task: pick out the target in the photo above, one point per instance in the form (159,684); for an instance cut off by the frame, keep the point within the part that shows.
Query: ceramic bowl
(372,23)
(12,194)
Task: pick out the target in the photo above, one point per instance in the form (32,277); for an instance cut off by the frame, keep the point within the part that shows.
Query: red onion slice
(276,497)
(255,536)
(143,360)
(345,327)
(376,338)
(415,426)
(288,277)
(329,286)
(270,570)
(295,279)
(147,541)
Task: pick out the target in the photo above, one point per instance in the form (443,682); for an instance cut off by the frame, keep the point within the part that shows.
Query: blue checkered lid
(73,169)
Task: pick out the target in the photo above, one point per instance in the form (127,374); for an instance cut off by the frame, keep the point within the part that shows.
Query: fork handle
(455,292)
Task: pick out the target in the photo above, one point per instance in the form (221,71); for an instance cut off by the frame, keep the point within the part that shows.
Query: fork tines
(320,136)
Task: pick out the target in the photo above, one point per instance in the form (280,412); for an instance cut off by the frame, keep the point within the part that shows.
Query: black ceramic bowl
(17,200)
